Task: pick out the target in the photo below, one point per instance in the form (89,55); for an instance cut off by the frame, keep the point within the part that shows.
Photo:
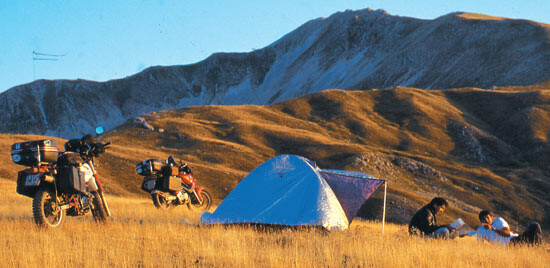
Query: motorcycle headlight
(16,158)
(139,170)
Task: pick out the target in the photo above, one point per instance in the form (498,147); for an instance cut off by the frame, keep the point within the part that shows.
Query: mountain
(351,50)
(480,149)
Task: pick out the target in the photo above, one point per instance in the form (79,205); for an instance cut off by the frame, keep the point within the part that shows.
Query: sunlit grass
(141,236)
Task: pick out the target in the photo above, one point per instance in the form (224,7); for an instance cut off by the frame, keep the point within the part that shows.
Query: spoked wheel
(98,211)
(45,210)
(160,202)
(204,205)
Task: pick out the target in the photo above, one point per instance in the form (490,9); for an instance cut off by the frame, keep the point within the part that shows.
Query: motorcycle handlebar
(98,149)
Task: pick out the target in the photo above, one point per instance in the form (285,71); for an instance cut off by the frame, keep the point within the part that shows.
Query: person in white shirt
(497,230)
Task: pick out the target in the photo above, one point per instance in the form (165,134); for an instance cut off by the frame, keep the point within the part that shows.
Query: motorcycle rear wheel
(99,212)
(206,202)
(45,210)
(160,202)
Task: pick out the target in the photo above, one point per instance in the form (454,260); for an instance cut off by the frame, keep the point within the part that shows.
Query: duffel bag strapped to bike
(168,171)
(73,145)
(69,159)
(34,153)
(149,167)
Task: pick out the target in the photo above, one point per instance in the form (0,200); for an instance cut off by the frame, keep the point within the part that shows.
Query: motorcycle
(172,185)
(61,183)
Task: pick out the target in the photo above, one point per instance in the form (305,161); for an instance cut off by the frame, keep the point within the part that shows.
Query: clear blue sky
(106,40)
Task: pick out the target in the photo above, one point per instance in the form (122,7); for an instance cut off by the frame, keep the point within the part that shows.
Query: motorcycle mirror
(99,130)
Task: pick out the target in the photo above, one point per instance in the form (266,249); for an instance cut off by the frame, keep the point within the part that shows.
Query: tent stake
(384,211)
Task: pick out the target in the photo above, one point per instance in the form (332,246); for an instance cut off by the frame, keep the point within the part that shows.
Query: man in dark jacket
(424,221)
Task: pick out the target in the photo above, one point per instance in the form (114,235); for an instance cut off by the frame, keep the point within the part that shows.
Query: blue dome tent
(291,190)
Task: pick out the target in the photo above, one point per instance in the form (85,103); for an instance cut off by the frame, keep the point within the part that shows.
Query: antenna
(45,57)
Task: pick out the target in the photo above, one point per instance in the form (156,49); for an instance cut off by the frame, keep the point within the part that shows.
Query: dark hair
(439,201)
(483,214)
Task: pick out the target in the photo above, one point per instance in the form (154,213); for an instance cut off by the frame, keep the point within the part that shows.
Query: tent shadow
(270,228)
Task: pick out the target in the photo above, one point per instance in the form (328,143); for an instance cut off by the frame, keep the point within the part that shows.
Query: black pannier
(34,153)
(27,183)
(148,184)
(70,180)
(149,167)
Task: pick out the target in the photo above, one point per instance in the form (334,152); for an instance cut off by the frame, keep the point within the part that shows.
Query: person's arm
(425,223)
(503,231)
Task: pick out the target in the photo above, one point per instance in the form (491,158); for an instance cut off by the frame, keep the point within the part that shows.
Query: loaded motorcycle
(172,184)
(61,183)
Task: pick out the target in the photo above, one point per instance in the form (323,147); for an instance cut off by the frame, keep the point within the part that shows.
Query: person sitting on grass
(424,221)
(497,230)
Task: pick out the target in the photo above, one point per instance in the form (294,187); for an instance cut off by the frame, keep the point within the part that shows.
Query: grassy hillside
(481,149)
(141,236)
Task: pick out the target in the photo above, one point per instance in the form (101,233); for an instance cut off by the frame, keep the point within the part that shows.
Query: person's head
(439,205)
(485,217)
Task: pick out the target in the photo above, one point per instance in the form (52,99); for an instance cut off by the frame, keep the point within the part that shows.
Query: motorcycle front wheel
(45,210)
(99,212)
(197,205)
(160,202)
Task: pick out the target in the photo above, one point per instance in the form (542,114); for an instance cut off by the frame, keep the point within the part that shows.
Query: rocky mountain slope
(481,149)
(352,50)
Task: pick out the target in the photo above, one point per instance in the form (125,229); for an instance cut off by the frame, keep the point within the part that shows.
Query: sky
(102,40)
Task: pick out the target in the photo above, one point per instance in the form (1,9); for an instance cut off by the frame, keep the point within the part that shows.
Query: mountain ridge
(352,50)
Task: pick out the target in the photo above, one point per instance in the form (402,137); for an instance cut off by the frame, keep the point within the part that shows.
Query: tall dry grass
(141,236)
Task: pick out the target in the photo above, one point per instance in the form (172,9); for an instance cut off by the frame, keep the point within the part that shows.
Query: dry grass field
(141,236)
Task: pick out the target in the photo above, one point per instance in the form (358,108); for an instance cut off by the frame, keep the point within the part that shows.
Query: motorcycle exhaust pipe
(168,197)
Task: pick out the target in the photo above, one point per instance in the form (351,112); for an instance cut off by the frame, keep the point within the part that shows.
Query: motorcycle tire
(206,202)
(99,212)
(160,202)
(45,210)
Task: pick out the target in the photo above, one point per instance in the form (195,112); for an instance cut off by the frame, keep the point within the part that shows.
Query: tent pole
(384,211)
